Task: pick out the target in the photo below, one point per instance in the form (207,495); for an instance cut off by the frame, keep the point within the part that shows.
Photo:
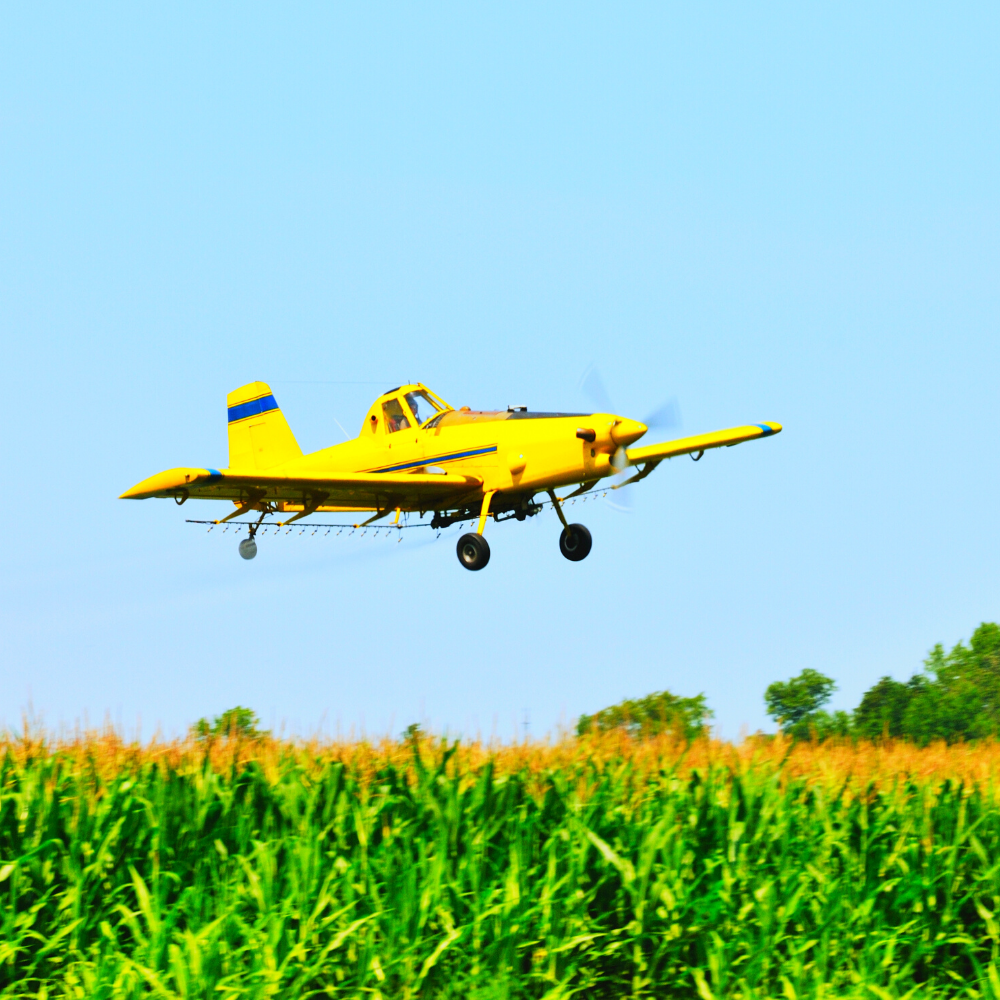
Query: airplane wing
(362,489)
(700,442)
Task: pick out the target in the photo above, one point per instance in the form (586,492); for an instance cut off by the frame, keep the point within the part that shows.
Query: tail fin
(259,435)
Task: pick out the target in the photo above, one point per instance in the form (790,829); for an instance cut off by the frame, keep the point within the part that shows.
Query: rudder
(259,435)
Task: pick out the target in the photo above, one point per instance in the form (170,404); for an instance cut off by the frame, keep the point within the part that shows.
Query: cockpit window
(395,418)
(422,405)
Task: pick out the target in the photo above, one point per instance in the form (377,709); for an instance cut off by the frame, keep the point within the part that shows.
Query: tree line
(956,696)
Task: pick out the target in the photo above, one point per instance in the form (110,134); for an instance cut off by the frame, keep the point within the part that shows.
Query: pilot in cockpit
(395,418)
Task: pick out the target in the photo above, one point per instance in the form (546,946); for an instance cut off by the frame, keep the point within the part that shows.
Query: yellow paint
(262,440)
(700,442)
(451,461)
(485,509)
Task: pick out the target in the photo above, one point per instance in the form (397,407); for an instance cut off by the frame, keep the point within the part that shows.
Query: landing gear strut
(575,540)
(473,550)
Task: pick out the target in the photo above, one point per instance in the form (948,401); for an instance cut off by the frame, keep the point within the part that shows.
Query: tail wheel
(575,542)
(473,551)
(248,548)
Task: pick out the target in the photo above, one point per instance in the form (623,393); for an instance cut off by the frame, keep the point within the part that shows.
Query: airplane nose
(625,431)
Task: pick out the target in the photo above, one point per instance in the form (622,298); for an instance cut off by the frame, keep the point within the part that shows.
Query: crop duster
(415,453)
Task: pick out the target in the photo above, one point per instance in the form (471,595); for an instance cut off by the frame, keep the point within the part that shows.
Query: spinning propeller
(664,417)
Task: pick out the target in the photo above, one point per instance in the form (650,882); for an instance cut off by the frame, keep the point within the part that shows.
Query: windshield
(422,406)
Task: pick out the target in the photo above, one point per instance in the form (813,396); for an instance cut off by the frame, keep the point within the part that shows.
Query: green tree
(822,725)
(883,708)
(795,704)
(657,713)
(235,723)
(958,696)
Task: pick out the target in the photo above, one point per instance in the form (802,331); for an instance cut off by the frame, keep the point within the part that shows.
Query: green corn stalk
(430,877)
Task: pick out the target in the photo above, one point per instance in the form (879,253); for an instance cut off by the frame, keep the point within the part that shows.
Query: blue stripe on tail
(252,409)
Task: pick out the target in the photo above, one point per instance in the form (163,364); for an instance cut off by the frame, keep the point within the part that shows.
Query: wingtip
(172,479)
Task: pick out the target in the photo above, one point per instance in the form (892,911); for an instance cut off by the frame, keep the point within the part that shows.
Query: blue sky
(786,213)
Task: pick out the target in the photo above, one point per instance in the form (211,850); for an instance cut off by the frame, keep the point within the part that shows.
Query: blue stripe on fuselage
(252,408)
(438,459)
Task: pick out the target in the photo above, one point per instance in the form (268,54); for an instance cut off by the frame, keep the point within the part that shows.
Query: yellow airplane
(415,453)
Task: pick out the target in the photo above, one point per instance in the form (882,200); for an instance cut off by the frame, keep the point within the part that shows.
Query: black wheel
(248,548)
(575,542)
(473,551)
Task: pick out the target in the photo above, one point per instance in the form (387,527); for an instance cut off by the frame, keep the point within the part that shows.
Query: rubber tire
(473,551)
(248,548)
(575,542)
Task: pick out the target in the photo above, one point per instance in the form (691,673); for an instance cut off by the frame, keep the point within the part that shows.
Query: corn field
(583,868)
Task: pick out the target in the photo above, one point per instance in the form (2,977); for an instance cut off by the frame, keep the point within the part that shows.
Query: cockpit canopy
(404,407)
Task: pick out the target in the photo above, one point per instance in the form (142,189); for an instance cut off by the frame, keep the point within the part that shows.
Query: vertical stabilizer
(259,435)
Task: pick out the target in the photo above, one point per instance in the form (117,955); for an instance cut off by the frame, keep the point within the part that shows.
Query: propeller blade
(667,416)
(593,387)
(619,502)
(616,500)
